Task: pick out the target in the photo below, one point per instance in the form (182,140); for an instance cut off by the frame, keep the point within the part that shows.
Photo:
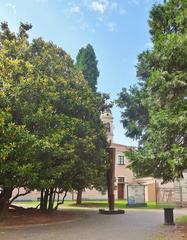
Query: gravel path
(133,225)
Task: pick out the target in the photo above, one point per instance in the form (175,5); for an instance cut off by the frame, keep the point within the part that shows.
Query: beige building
(123,175)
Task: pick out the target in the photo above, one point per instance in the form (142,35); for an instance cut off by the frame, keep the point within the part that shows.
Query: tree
(86,62)
(49,121)
(18,146)
(155,111)
(81,132)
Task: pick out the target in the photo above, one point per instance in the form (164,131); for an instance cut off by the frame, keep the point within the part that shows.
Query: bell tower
(107,120)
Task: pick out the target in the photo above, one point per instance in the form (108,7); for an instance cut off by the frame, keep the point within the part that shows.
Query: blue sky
(117,29)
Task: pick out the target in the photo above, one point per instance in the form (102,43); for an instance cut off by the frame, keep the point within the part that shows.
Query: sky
(117,29)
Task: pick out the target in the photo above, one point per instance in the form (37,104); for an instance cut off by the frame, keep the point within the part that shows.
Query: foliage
(51,133)
(135,116)
(155,111)
(87,63)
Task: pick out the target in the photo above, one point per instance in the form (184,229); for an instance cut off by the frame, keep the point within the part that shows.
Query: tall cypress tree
(87,63)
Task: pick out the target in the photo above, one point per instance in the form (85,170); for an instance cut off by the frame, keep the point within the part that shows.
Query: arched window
(107,126)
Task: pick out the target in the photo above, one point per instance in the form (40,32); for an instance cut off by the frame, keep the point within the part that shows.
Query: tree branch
(61,202)
(19,195)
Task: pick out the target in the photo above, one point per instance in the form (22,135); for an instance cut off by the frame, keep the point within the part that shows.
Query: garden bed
(32,216)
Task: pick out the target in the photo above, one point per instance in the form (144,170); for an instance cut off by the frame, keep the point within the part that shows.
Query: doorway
(120,190)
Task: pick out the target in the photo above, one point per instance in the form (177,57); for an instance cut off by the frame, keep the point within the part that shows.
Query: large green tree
(49,120)
(155,110)
(79,108)
(86,62)
(18,146)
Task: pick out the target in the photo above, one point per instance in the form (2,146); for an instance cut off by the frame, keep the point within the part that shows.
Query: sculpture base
(111,212)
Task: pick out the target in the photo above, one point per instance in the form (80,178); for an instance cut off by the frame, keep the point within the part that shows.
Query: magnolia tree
(51,135)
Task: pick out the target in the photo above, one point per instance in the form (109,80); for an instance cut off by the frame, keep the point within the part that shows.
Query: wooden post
(156,198)
(110,184)
(111,178)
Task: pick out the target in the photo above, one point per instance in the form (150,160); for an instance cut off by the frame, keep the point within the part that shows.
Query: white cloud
(104,6)
(99,6)
(114,6)
(75,9)
(111,26)
(80,26)
(138,2)
(11,7)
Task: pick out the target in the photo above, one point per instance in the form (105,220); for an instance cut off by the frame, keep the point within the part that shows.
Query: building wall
(151,189)
(122,170)
(181,194)
(32,196)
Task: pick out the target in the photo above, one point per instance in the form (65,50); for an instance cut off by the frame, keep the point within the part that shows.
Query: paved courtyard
(90,225)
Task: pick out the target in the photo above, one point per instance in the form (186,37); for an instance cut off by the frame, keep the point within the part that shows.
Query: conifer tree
(87,63)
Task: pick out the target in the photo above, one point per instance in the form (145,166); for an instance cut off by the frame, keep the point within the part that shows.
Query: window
(107,126)
(121,160)
(121,179)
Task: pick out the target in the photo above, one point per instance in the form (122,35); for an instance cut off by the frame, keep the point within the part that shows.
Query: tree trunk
(111,179)
(54,196)
(42,199)
(47,199)
(50,205)
(79,197)
(45,202)
(4,202)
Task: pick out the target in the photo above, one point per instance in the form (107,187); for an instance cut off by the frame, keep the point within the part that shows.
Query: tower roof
(107,114)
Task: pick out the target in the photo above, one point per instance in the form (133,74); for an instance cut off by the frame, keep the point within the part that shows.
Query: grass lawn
(119,204)
(182,219)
